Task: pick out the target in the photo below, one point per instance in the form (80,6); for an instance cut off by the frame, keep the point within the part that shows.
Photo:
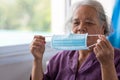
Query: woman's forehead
(85,11)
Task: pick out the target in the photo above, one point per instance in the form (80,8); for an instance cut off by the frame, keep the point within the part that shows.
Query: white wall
(57,16)
(16,61)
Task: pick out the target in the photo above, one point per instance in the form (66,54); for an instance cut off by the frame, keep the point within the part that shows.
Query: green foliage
(30,15)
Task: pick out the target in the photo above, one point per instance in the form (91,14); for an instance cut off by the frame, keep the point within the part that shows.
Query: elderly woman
(101,62)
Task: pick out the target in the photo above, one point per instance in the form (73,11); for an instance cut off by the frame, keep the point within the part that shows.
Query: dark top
(63,66)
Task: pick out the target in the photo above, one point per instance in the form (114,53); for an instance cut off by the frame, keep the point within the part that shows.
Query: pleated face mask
(70,42)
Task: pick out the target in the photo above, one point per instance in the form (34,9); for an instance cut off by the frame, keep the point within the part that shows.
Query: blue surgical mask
(70,42)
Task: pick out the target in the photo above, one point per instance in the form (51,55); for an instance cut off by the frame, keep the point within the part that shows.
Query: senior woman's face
(85,20)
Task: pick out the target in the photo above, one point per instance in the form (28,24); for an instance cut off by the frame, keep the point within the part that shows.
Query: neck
(83,55)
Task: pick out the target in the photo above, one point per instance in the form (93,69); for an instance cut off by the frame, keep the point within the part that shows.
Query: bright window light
(20,20)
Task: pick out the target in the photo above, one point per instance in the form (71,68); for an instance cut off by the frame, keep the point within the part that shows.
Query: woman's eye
(89,23)
(76,23)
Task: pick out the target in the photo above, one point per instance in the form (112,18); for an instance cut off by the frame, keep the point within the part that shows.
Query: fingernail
(44,42)
(98,40)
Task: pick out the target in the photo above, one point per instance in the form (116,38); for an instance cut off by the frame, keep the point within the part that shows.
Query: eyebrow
(75,19)
(86,19)
(89,19)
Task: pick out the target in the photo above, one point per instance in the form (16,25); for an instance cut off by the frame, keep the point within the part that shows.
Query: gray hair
(97,6)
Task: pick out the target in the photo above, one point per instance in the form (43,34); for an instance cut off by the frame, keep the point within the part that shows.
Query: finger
(36,43)
(39,37)
(95,51)
(39,40)
(107,43)
(102,37)
(32,48)
(103,41)
(35,47)
(39,43)
(98,46)
(101,44)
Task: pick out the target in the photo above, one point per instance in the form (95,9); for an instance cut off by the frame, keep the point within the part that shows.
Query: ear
(103,28)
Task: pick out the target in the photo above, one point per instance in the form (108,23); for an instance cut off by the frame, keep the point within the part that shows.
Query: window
(20,20)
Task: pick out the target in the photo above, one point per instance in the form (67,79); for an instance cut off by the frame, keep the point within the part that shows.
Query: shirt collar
(73,61)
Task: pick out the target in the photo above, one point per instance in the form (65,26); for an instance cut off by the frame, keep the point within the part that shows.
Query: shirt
(63,66)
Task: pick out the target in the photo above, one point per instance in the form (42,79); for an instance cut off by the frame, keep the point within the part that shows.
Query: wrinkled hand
(104,51)
(37,47)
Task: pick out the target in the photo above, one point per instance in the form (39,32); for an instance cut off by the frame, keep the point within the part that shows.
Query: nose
(81,28)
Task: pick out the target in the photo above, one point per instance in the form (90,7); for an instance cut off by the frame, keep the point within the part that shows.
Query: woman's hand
(104,51)
(37,47)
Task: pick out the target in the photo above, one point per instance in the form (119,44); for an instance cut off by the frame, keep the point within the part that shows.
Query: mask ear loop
(94,43)
(99,32)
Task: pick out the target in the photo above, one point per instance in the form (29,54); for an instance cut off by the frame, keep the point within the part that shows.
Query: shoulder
(117,55)
(117,52)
